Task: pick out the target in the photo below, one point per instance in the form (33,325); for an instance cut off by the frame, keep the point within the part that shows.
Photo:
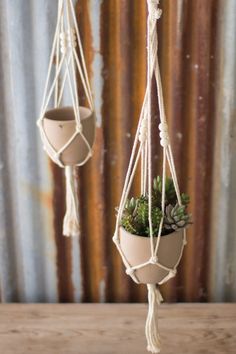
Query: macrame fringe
(152,335)
(71,219)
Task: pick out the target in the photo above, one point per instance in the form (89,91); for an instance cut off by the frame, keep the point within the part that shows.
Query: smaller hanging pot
(136,249)
(59,125)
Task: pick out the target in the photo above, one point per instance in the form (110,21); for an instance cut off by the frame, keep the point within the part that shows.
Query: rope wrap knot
(79,128)
(143,131)
(130,271)
(163,127)
(172,273)
(56,157)
(153,10)
(153,260)
(115,239)
(68,40)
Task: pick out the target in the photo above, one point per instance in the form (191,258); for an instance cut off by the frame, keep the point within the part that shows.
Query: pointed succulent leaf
(185,198)
(155,184)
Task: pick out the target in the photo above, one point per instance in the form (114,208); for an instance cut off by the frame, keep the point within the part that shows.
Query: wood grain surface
(115,329)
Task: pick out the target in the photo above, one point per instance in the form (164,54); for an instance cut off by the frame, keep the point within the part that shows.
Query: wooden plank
(110,329)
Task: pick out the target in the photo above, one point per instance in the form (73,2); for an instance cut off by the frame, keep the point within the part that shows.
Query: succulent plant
(135,218)
(175,217)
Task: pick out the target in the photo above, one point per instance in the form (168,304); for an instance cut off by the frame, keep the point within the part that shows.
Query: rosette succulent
(135,218)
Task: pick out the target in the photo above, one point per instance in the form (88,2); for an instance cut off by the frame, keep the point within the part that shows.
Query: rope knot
(143,131)
(71,38)
(153,10)
(130,271)
(163,127)
(57,156)
(115,239)
(40,123)
(153,260)
(63,42)
(173,273)
(67,40)
(79,128)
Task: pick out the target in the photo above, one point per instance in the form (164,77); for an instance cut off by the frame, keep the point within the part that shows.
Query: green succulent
(135,218)
(175,217)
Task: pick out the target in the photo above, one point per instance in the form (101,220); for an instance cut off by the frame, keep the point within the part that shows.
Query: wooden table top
(115,328)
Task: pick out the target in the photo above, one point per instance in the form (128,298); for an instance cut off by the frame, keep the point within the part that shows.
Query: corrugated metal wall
(197,56)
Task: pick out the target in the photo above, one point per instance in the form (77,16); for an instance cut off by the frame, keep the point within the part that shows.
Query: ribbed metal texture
(197,48)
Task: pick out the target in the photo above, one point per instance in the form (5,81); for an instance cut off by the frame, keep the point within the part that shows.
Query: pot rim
(88,111)
(148,238)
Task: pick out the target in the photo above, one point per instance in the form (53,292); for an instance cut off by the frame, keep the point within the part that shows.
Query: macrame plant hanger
(162,254)
(67,132)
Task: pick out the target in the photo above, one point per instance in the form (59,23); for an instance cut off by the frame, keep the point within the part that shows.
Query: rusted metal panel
(187,55)
(188,90)
(196,51)
(28,268)
(222,272)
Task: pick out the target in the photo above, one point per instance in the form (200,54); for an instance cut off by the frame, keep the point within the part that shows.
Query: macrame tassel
(154,299)
(71,219)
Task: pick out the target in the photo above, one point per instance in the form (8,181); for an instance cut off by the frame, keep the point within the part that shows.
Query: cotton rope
(65,42)
(142,150)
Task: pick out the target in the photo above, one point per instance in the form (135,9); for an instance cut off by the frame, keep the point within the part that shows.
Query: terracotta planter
(137,250)
(59,125)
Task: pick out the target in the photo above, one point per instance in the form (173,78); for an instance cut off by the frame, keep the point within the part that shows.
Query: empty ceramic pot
(137,250)
(59,126)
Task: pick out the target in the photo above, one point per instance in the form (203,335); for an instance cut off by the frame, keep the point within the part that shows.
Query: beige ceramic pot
(59,125)
(137,250)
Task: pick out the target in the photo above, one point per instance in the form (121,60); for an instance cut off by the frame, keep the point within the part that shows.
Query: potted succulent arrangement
(135,232)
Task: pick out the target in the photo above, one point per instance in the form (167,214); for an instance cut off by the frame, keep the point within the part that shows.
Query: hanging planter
(136,250)
(150,232)
(67,131)
(60,125)
(135,232)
